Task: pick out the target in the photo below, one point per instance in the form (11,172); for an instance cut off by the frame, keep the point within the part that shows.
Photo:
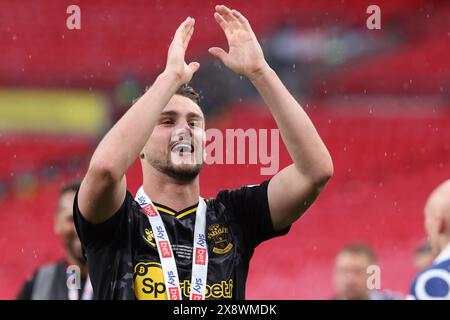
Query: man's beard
(183,173)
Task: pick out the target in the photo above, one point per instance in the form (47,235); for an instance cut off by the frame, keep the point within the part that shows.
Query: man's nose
(183,131)
(184,124)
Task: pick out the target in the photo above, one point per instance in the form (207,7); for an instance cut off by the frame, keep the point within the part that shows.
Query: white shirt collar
(444,255)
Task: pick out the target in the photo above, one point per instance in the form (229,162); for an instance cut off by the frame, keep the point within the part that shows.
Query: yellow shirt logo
(149,284)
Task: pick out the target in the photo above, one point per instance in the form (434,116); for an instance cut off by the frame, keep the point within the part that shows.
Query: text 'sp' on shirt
(123,259)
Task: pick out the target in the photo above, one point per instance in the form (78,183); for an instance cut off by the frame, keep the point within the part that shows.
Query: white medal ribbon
(168,264)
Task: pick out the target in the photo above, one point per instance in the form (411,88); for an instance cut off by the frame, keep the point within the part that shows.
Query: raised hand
(245,55)
(177,49)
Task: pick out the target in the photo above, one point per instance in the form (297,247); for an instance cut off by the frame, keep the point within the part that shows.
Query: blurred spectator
(127,90)
(433,283)
(50,282)
(424,256)
(351,273)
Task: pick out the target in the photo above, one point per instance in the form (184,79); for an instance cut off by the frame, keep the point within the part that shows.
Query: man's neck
(444,250)
(167,191)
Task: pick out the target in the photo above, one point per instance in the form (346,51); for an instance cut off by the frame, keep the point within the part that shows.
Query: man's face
(350,276)
(177,142)
(65,227)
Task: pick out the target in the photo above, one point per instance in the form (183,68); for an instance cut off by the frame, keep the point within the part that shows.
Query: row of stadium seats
(117,38)
(418,68)
(32,152)
(418,64)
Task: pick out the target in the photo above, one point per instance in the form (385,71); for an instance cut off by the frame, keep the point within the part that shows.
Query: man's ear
(441,227)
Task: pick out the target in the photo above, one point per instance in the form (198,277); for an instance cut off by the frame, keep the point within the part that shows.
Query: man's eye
(194,123)
(167,122)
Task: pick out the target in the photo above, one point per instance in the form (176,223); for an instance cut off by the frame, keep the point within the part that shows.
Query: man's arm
(293,189)
(103,189)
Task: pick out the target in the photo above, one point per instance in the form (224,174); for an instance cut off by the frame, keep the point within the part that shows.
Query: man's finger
(188,28)
(218,53)
(221,21)
(243,20)
(188,37)
(182,25)
(184,28)
(226,14)
(194,66)
(223,9)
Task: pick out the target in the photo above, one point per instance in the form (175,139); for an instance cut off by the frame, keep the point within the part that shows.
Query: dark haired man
(354,264)
(168,242)
(66,279)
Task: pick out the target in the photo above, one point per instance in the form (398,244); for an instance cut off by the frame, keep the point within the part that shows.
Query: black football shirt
(123,259)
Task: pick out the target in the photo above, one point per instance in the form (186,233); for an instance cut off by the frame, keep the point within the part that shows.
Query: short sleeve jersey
(123,259)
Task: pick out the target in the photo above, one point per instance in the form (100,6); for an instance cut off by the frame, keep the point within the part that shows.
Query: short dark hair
(70,186)
(187,91)
(359,248)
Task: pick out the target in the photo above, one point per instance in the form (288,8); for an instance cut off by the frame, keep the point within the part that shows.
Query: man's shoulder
(50,269)
(53,265)
(443,265)
(241,191)
(225,198)
(247,198)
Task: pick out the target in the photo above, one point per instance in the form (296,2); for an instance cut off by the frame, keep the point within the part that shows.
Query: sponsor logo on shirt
(149,281)
(149,284)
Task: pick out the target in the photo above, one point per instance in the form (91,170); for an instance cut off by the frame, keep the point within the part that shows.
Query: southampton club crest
(221,237)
